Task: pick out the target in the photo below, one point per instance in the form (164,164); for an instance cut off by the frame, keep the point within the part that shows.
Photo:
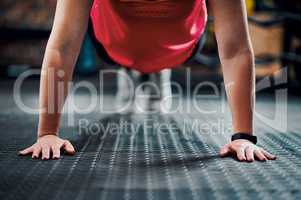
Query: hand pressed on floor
(246,151)
(46,145)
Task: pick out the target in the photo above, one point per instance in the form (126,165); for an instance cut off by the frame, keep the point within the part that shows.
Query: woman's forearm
(69,28)
(56,74)
(239,82)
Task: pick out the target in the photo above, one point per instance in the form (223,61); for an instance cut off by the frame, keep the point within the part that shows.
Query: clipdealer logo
(276,83)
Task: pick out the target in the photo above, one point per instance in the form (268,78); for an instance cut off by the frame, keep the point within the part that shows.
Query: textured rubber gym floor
(177,163)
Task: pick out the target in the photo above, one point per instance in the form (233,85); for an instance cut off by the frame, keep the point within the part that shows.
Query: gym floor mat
(173,162)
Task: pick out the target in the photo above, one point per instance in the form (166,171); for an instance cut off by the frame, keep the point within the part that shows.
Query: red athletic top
(149,35)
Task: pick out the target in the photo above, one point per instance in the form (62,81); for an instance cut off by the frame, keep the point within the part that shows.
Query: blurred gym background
(274,27)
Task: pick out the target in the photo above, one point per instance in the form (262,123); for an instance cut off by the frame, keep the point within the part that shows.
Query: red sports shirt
(149,35)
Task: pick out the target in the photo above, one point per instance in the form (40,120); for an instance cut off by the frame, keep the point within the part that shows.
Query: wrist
(44,133)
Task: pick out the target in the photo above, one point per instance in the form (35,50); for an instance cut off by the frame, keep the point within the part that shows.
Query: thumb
(68,147)
(225,150)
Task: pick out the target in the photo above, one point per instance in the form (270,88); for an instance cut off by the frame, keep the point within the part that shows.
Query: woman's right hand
(47,144)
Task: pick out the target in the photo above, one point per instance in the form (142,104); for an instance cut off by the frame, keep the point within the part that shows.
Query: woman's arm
(69,28)
(237,59)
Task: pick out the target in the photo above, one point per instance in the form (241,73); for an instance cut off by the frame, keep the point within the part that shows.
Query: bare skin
(235,51)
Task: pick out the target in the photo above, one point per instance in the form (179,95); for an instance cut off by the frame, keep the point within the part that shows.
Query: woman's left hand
(246,151)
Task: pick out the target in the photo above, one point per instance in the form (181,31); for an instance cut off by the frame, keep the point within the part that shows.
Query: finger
(56,152)
(260,155)
(225,150)
(68,147)
(249,153)
(36,152)
(45,152)
(268,155)
(240,152)
(26,151)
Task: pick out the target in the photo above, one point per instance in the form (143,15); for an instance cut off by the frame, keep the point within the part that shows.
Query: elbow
(60,54)
(58,65)
(242,54)
(62,51)
(57,61)
(232,50)
(54,58)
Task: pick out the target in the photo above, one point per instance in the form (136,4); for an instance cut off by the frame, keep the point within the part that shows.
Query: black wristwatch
(245,136)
